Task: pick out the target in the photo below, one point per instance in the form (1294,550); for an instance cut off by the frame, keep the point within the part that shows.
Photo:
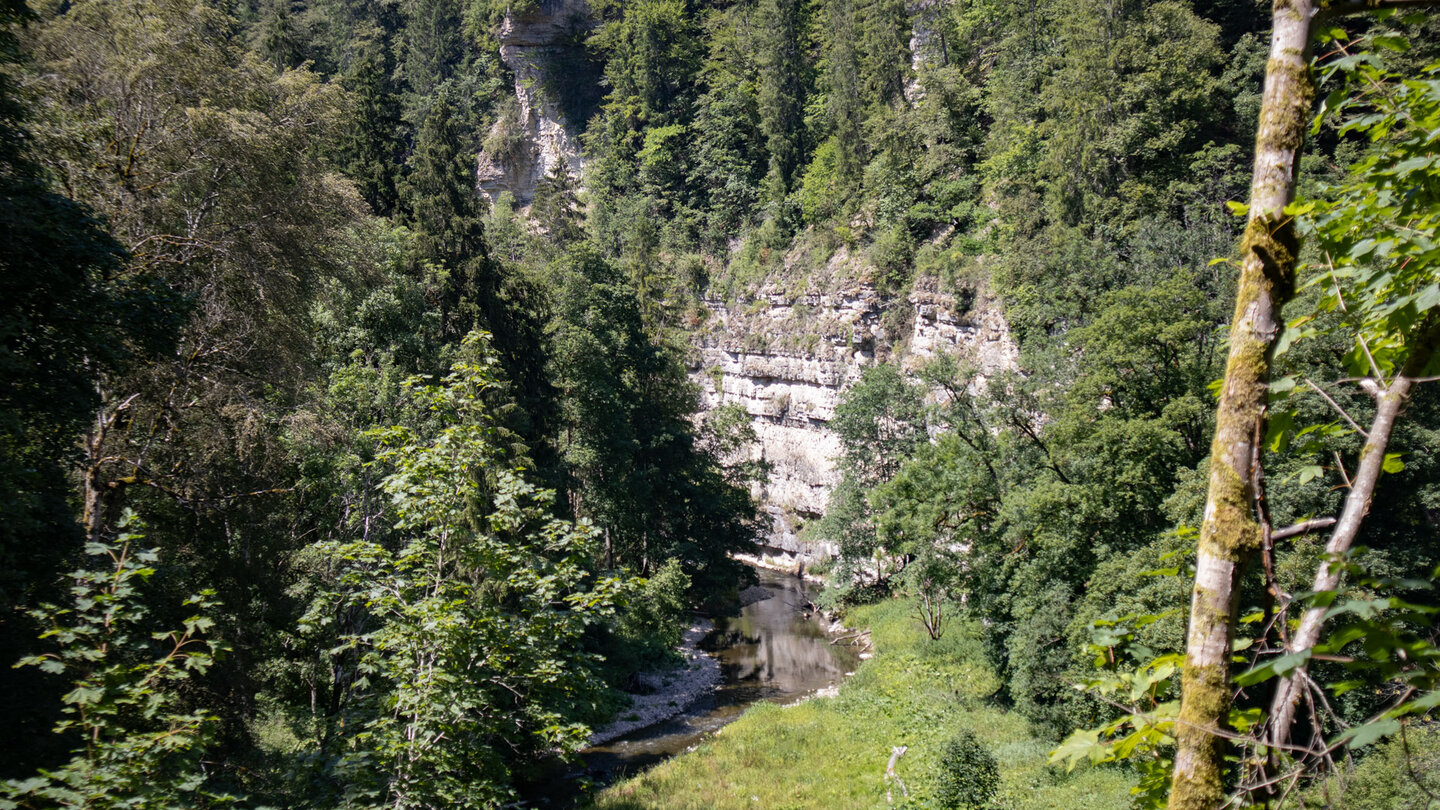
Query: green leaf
(1427,299)
(1239,209)
(1082,746)
(1391,42)
(1362,735)
(1276,666)
(1392,463)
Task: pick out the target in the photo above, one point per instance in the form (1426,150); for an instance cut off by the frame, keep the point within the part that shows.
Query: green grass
(831,752)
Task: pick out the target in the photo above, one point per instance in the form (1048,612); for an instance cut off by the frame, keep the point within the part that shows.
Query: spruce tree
(843,102)
(782,91)
(443,208)
(556,206)
(473,290)
(432,45)
(372,141)
(280,42)
(884,49)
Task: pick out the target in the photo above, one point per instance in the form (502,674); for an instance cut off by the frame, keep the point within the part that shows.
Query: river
(772,649)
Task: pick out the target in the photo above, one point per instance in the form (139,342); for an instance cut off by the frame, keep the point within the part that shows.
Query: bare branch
(1347,528)
(1340,299)
(1337,408)
(1340,465)
(1303,527)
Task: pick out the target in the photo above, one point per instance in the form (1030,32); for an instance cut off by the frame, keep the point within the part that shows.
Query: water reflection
(773,649)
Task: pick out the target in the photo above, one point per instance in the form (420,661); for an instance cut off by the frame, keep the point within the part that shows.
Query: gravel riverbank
(675,689)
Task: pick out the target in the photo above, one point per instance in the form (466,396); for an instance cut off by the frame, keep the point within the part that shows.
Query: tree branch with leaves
(1230,532)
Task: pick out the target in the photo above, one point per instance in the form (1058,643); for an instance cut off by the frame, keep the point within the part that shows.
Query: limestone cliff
(543,48)
(785,356)
(786,351)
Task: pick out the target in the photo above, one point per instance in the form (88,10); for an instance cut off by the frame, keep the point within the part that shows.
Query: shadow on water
(771,649)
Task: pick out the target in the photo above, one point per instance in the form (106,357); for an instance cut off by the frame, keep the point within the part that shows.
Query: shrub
(969,774)
(1402,774)
(656,611)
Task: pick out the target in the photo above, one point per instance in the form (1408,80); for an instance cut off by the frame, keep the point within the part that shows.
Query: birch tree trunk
(1392,401)
(1229,533)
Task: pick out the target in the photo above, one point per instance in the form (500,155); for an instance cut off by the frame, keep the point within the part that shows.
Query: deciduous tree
(1230,534)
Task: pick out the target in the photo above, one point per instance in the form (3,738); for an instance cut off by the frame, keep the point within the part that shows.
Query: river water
(773,649)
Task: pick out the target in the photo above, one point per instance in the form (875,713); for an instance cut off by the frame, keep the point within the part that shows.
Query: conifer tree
(280,42)
(432,44)
(443,208)
(473,290)
(884,49)
(782,91)
(556,206)
(373,143)
(843,102)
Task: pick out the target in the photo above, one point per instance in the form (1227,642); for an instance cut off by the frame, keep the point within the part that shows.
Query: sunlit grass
(831,752)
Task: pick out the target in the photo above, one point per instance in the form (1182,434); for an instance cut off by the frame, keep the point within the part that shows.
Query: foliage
(142,742)
(969,774)
(1144,692)
(470,661)
(238,231)
(653,615)
(69,311)
(1400,775)
(1372,228)
(879,423)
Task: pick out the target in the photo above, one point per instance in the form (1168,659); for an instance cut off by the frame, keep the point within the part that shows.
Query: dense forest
(328,480)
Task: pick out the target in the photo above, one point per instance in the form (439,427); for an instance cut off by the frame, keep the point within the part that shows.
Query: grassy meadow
(831,752)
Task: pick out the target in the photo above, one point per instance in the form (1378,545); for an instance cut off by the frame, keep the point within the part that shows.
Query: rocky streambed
(774,648)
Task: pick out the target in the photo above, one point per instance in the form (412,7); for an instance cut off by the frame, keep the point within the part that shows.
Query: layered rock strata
(785,357)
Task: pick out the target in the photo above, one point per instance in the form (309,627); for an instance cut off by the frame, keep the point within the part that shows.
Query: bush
(657,609)
(969,774)
(893,254)
(1402,774)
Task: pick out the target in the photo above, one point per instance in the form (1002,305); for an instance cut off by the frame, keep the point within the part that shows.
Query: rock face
(786,356)
(927,42)
(542,49)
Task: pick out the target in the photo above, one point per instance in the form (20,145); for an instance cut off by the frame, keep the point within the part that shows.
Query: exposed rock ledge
(529,44)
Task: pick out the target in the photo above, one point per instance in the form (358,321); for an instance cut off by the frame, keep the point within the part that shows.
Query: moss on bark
(1230,534)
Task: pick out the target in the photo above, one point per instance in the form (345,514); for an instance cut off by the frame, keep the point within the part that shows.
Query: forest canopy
(332,476)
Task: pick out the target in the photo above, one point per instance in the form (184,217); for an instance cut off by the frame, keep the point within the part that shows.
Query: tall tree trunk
(1229,533)
(1392,400)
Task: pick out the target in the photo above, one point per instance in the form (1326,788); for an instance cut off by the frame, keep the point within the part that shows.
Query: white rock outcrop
(529,45)
(786,358)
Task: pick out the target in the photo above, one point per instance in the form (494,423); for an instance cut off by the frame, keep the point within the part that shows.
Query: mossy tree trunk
(1229,533)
